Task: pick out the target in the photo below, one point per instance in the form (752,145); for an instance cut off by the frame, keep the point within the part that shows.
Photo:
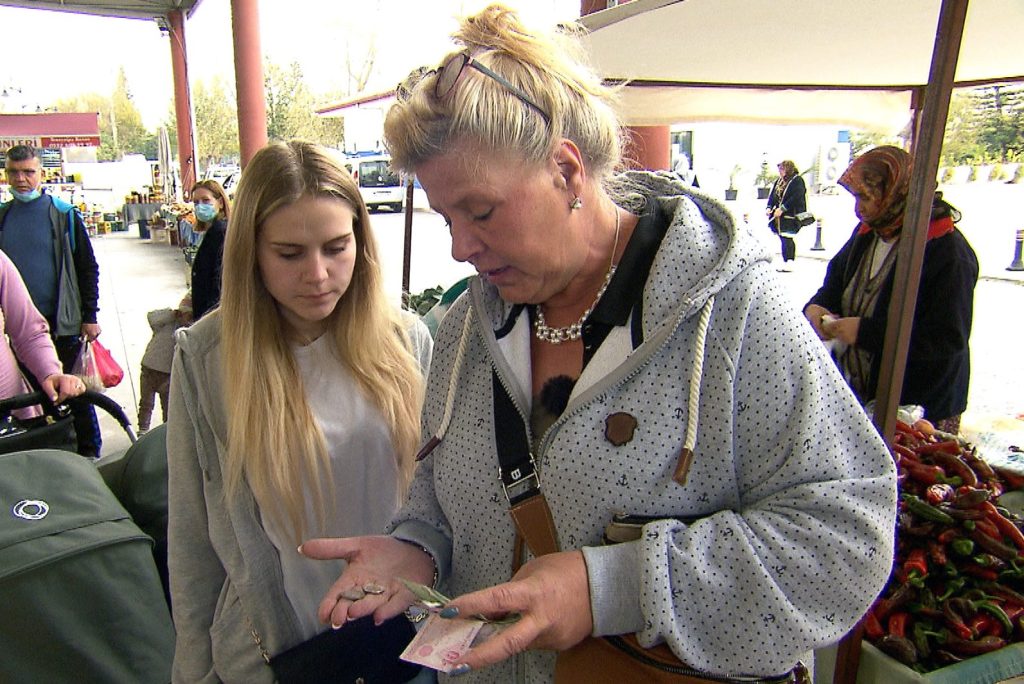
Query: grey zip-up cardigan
(227,590)
(793,491)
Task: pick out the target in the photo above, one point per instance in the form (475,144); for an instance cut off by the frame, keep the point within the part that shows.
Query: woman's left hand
(59,387)
(551,593)
(843,329)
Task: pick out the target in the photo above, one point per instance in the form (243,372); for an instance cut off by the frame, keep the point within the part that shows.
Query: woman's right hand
(60,387)
(814,315)
(372,561)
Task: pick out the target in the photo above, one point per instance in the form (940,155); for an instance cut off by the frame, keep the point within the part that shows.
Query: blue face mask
(206,212)
(26,196)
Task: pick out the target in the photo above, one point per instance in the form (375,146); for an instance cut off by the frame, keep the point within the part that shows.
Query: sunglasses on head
(448,75)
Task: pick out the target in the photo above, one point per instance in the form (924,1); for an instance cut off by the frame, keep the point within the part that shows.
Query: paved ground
(138,275)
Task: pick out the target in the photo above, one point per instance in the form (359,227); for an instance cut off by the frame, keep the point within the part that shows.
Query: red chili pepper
(908,430)
(917,562)
(1013,611)
(955,621)
(905,453)
(872,627)
(949,447)
(1003,524)
(898,624)
(988,527)
(948,535)
(981,623)
(927,474)
(954,465)
(981,573)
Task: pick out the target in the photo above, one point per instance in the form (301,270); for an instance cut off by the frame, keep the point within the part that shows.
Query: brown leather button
(619,428)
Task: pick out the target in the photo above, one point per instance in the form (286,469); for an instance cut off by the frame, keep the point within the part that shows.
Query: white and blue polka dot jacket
(792,490)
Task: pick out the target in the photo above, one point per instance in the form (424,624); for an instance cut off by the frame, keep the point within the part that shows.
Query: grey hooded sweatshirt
(781,536)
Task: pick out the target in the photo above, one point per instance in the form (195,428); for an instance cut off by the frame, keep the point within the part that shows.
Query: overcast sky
(54,55)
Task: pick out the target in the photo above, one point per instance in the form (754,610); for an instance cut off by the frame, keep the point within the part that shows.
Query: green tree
(216,122)
(291,108)
(129,135)
(984,125)
(121,129)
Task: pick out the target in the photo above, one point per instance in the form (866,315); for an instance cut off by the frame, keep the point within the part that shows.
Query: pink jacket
(27,331)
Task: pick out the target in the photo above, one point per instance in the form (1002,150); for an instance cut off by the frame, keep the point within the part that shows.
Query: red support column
(252,104)
(648,148)
(182,101)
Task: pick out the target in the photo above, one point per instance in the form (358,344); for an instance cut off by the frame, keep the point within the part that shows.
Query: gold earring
(576,203)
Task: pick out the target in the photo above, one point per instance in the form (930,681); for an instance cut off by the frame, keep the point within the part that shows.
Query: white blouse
(363,483)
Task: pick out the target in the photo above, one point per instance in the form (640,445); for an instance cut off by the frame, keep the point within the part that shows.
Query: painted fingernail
(459,669)
(450,612)
(298,549)
(334,626)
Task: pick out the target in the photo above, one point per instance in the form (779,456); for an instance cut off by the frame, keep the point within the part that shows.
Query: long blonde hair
(552,69)
(274,444)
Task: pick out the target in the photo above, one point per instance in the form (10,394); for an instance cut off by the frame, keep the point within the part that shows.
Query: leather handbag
(358,652)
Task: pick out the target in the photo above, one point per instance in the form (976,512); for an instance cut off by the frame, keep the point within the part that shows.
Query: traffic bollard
(1017,264)
(818,247)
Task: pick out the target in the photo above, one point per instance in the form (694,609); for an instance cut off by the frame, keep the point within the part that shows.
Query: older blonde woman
(618,325)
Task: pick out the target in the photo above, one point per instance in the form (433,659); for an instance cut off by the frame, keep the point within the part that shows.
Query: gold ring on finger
(353,594)
(373,588)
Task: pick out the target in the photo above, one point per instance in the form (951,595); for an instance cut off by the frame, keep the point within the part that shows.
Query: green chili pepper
(925,510)
(998,613)
(962,547)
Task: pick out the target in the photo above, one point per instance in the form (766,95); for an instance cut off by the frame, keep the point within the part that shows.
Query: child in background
(156,361)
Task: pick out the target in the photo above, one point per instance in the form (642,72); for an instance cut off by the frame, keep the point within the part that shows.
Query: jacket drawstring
(693,405)
(453,380)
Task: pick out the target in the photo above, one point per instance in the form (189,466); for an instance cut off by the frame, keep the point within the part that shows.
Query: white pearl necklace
(546,333)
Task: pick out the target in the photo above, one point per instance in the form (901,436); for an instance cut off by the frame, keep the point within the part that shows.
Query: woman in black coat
(852,305)
(787,199)
(212,209)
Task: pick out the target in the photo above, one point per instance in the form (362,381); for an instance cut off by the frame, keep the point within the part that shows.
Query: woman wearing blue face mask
(211,208)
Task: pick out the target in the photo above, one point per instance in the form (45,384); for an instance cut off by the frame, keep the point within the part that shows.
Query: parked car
(379,184)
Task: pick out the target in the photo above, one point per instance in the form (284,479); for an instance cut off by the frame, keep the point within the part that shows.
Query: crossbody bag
(595,660)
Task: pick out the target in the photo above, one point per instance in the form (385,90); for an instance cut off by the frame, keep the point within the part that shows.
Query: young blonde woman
(294,412)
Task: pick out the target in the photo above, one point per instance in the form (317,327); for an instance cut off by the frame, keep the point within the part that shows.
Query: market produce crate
(953,609)
(876,667)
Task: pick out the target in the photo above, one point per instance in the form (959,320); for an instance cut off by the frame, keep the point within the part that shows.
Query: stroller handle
(93,397)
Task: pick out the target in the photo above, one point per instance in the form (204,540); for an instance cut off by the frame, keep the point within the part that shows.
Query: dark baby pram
(82,599)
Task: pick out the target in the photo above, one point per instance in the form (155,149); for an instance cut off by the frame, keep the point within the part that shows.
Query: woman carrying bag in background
(787,199)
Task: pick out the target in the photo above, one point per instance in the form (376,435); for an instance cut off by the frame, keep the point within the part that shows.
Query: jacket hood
(716,247)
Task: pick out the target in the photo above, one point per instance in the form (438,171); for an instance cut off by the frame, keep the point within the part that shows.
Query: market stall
(59,138)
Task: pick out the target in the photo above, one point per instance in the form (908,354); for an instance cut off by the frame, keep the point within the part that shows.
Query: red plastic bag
(110,373)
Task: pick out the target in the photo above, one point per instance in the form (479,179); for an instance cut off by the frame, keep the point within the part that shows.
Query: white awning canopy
(791,61)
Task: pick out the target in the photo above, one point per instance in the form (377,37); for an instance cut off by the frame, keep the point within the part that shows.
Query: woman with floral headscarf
(852,305)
